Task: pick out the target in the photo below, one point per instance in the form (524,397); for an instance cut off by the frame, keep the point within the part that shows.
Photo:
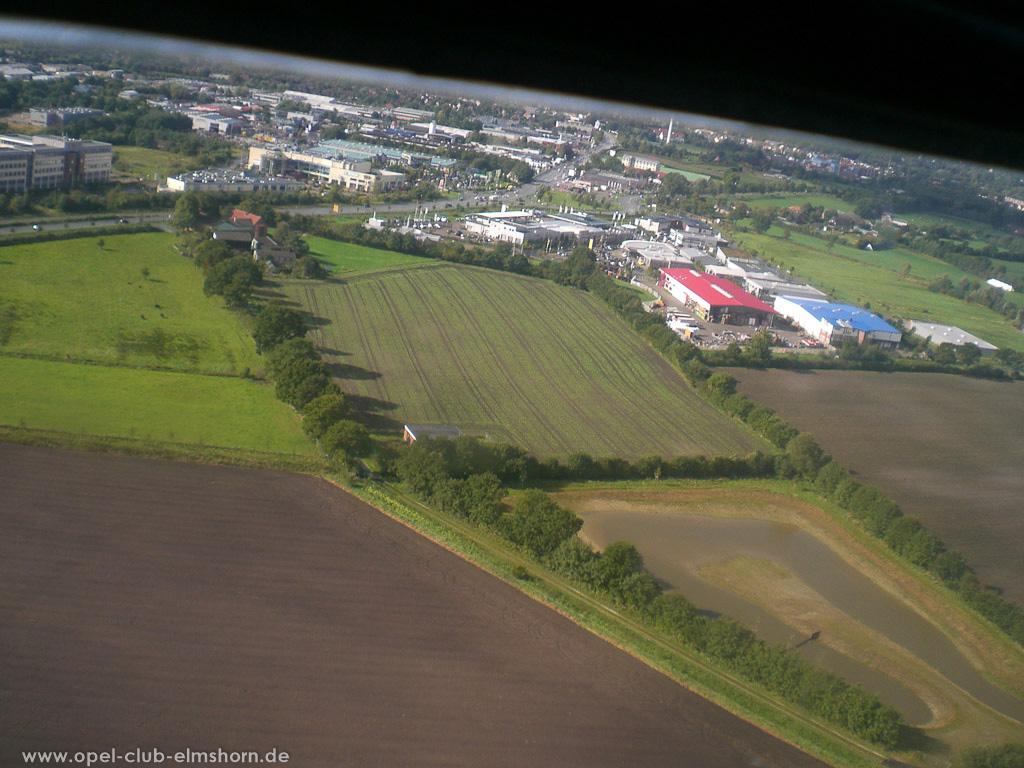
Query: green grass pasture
(788,200)
(148,164)
(515,358)
(101,400)
(347,259)
(132,301)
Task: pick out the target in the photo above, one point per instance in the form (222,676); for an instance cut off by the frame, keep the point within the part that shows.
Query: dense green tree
(538,524)
(721,384)
(804,456)
(186,212)
(968,354)
(209,253)
(619,560)
(276,323)
(235,279)
(346,437)
(758,350)
(949,567)
(322,412)
(1002,756)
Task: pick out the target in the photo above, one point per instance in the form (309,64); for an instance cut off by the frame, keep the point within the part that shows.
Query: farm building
(413,432)
(950,333)
(832,323)
(715,299)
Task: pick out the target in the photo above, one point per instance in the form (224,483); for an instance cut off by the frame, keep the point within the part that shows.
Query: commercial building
(518,227)
(48,118)
(52,162)
(641,163)
(230,181)
(325,164)
(833,324)
(715,299)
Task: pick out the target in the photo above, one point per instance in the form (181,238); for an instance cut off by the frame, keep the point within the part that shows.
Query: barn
(715,299)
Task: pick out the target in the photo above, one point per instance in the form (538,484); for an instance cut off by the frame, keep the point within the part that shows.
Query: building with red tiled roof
(715,299)
(259,226)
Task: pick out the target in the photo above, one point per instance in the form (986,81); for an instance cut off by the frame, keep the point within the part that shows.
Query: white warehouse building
(833,324)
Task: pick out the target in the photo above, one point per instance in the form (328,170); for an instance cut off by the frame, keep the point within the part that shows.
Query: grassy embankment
(518,359)
(876,277)
(116,346)
(958,719)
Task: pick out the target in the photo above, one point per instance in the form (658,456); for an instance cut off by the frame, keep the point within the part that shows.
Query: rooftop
(843,315)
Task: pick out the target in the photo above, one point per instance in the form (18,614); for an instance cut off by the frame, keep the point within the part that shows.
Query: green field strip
(608,444)
(482,396)
(550,439)
(221,411)
(569,396)
(133,301)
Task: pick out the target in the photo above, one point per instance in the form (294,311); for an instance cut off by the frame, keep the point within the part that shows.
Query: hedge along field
(224,411)
(518,359)
(132,300)
(857,280)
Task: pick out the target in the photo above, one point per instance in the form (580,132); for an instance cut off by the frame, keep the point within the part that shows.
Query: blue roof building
(832,323)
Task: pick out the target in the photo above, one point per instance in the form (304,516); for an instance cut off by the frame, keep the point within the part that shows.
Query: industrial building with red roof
(716,300)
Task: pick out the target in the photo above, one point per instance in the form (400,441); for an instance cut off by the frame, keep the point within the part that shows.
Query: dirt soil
(948,449)
(149,604)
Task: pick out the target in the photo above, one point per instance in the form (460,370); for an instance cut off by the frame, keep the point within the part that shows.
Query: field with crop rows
(515,358)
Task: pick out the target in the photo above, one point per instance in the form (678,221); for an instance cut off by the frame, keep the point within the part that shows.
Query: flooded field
(948,449)
(691,552)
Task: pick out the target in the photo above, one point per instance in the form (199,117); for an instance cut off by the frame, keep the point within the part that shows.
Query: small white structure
(999,284)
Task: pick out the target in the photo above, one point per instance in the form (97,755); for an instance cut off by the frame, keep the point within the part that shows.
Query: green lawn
(860,277)
(103,400)
(515,358)
(134,300)
(347,259)
(150,164)
(788,200)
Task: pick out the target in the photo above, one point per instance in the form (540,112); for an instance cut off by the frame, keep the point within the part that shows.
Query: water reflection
(675,546)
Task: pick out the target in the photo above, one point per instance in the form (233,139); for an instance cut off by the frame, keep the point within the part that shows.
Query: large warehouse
(715,299)
(832,323)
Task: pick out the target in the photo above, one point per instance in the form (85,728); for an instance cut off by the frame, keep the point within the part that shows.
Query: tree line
(464,477)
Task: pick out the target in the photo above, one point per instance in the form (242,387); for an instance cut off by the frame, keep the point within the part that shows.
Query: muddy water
(675,546)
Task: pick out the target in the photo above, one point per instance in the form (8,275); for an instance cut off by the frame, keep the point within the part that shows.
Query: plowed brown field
(948,449)
(157,605)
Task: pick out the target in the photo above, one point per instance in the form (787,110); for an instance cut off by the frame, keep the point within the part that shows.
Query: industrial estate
(357,423)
